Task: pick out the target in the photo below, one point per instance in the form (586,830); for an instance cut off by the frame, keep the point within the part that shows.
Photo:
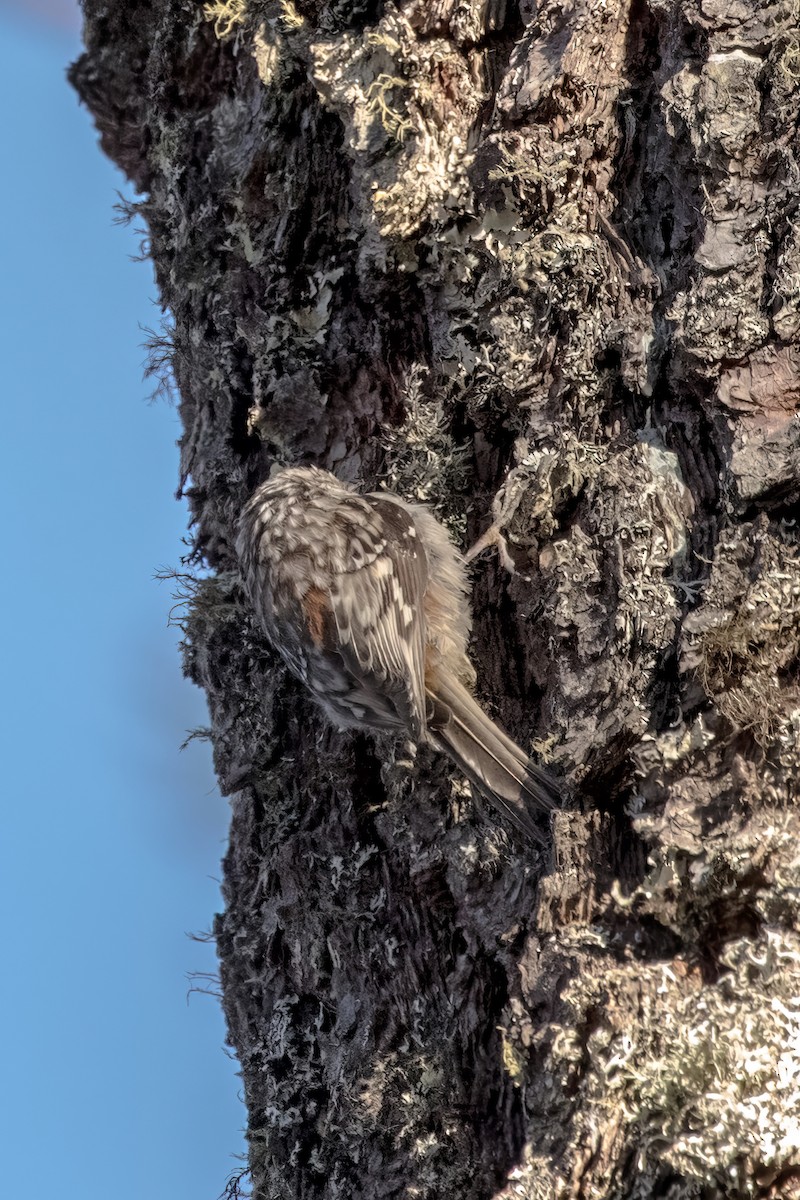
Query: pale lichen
(746,658)
(423,461)
(226,15)
(713,1084)
(406,107)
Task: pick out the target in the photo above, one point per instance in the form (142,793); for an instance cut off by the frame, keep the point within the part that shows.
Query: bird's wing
(377,604)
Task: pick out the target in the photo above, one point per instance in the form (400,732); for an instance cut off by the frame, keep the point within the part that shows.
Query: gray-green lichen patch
(745,643)
(407,108)
(572,508)
(741,648)
(739,291)
(423,461)
(676,1074)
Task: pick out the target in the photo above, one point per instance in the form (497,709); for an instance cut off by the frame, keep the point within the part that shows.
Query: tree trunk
(537,265)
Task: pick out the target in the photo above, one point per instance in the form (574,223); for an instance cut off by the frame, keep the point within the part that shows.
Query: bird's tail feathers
(489,758)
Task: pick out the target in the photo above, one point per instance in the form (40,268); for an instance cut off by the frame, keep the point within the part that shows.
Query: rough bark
(536,263)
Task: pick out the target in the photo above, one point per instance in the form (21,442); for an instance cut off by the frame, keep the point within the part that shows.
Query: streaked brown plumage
(365,597)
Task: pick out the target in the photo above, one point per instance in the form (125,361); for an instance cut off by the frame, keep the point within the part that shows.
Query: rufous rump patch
(316,607)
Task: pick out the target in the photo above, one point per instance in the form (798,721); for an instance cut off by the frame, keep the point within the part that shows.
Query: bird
(364,596)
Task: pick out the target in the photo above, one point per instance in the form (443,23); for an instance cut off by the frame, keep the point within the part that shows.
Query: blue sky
(112,837)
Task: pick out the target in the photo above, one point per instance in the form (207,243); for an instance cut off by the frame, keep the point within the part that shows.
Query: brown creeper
(365,599)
